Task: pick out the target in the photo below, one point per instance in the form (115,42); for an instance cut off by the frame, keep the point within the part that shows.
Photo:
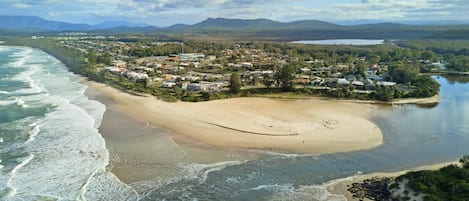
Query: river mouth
(414,135)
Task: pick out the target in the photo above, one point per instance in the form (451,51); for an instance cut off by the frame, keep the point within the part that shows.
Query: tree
(465,161)
(105,59)
(373,59)
(235,83)
(429,55)
(403,73)
(285,76)
(92,58)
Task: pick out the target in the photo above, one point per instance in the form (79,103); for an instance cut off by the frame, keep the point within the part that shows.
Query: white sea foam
(285,155)
(313,192)
(34,132)
(68,156)
(22,55)
(198,173)
(13,175)
(26,76)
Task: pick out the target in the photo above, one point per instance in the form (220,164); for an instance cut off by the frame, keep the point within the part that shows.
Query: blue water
(50,148)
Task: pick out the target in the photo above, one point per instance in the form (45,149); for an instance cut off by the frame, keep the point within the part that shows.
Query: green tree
(92,58)
(373,58)
(465,161)
(235,83)
(105,59)
(429,55)
(285,76)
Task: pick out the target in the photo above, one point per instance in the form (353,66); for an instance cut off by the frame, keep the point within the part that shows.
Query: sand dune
(301,126)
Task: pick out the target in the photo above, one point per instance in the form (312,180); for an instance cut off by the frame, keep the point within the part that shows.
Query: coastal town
(177,69)
(143,100)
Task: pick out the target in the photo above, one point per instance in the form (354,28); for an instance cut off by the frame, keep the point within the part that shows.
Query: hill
(31,23)
(250,29)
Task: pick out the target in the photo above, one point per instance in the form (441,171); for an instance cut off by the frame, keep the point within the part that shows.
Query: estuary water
(342,42)
(51,149)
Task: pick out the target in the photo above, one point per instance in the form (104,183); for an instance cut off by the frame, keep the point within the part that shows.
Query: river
(413,136)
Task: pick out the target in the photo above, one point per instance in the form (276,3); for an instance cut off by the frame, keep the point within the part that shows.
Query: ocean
(50,147)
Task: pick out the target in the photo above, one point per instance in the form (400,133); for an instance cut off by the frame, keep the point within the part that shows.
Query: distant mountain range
(252,28)
(37,24)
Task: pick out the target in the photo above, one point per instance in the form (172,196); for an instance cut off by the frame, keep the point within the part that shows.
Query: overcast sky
(168,12)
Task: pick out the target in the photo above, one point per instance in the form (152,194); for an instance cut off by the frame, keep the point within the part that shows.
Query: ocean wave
(17,100)
(34,132)
(312,192)
(21,56)
(286,155)
(191,175)
(67,136)
(13,174)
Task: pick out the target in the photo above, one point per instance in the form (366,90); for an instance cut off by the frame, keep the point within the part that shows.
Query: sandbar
(298,126)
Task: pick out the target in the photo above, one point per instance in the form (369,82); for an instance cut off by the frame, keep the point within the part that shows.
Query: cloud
(167,12)
(21,5)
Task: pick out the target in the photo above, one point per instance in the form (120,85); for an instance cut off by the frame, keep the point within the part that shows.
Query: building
(191,57)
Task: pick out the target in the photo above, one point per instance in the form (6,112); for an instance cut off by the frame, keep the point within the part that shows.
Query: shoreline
(319,126)
(340,186)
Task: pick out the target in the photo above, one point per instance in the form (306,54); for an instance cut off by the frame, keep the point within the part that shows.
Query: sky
(169,12)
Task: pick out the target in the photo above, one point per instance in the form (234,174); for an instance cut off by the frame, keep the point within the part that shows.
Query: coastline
(340,186)
(402,101)
(300,126)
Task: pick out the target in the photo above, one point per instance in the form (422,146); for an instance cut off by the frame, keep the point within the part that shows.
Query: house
(173,58)
(191,57)
(119,63)
(137,76)
(342,82)
(246,65)
(386,84)
(336,75)
(113,70)
(211,57)
(358,84)
(305,70)
(303,80)
(202,86)
(317,81)
(169,84)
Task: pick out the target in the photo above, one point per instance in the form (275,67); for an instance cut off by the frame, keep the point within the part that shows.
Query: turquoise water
(50,148)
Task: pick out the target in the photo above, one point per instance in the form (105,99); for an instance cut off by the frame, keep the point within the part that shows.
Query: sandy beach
(301,126)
